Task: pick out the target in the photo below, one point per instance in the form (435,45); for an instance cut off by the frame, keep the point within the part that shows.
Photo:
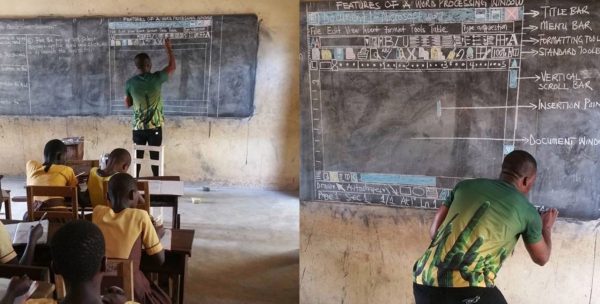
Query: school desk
(165,192)
(178,249)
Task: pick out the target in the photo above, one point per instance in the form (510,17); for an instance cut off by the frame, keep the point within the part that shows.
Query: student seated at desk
(118,161)
(77,250)
(7,252)
(126,229)
(52,172)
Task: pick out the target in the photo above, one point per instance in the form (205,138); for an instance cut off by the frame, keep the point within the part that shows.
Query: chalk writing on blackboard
(66,66)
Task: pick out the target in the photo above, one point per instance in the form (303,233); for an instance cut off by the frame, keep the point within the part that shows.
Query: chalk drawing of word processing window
(187,92)
(452,41)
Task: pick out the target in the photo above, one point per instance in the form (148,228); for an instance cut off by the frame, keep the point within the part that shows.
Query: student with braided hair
(52,172)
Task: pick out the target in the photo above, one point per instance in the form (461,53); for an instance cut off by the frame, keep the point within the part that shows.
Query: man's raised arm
(170,68)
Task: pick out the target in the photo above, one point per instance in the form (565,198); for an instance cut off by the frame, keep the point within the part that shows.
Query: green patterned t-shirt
(483,224)
(145,91)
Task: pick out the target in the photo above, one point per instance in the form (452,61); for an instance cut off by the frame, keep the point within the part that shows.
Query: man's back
(145,92)
(483,224)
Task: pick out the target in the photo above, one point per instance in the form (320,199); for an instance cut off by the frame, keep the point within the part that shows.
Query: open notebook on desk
(166,239)
(19,233)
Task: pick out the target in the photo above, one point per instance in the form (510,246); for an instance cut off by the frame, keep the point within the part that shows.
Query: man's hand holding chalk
(548,218)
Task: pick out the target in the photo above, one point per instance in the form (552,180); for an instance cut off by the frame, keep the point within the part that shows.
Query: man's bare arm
(170,68)
(128,101)
(540,251)
(439,218)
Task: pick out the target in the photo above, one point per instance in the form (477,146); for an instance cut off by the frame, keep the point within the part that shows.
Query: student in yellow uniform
(77,250)
(126,229)
(119,160)
(7,252)
(52,172)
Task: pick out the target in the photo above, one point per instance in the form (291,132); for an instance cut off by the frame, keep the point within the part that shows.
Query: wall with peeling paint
(258,152)
(365,254)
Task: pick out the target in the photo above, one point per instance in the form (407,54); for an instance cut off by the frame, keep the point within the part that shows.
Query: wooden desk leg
(174,219)
(182,279)
(175,288)
(7,209)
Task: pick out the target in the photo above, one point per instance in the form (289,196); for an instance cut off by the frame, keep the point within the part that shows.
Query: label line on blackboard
(366,70)
(147,50)
(31,35)
(28,77)
(110,76)
(468,138)
(530,106)
(209,50)
(219,73)
(172,112)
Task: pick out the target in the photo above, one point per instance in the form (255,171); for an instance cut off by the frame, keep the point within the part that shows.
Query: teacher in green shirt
(143,92)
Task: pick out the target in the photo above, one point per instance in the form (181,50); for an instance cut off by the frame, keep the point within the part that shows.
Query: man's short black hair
(519,163)
(119,186)
(77,250)
(139,60)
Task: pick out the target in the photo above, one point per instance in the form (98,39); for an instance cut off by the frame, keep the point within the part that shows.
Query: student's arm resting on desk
(171,66)
(158,258)
(34,235)
(151,241)
(439,218)
(540,251)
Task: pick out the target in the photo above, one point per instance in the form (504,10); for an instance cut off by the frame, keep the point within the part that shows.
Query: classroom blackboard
(403,99)
(63,67)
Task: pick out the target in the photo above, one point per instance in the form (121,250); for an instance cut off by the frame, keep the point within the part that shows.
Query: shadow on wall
(290,135)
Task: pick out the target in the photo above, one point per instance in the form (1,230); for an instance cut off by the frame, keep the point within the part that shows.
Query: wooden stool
(6,201)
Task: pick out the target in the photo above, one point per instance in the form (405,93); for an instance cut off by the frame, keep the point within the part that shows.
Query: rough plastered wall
(257,152)
(364,254)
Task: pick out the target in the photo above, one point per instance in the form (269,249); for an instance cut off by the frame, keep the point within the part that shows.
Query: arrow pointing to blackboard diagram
(535,41)
(532,13)
(536,77)
(471,138)
(440,108)
(530,106)
(533,52)
(531,28)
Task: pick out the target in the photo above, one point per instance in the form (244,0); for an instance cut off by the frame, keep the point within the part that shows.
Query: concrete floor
(245,248)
